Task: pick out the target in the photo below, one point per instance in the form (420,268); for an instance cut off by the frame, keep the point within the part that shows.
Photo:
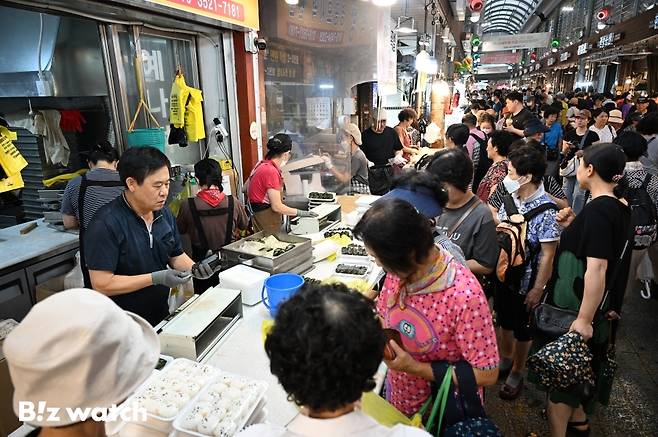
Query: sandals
(574,431)
(510,393)
(503,374)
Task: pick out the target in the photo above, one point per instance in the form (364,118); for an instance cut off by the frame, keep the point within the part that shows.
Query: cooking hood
(71,60)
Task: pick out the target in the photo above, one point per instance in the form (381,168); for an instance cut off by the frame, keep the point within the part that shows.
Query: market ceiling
(506,16)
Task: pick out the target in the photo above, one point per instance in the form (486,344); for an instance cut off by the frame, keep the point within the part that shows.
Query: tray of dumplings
(223,408)
(166,393)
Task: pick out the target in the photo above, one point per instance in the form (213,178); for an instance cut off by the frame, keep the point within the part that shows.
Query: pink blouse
(452,324)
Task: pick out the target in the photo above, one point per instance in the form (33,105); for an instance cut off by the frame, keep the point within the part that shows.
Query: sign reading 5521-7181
(242,12)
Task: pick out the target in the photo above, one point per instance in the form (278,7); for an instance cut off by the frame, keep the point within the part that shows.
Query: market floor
(633,410)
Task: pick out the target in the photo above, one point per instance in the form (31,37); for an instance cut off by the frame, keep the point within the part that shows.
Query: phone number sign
(240,12)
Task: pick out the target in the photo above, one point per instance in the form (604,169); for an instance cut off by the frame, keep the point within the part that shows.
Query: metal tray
(293,258)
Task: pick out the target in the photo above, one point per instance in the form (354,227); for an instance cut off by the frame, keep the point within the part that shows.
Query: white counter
(242,350)
(16,248)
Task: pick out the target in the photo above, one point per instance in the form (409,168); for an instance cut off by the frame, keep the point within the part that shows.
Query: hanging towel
(72,120)
(46,125)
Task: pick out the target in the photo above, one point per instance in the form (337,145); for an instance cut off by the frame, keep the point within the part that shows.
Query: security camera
(260,43)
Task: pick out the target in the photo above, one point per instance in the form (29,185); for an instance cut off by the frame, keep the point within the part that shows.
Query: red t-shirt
(266,175)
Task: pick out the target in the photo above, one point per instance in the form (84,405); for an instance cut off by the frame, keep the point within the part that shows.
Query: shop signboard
(284,64)
(492,69)
(515,42)
(241,12)
(583,48)
(609,40)
(564,56)
(326,24)
(387,66)
(501,58)
(654,24)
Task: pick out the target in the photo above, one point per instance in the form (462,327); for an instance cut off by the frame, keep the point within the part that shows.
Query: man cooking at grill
(133,249)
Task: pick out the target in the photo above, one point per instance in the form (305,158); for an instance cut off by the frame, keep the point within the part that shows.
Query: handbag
(465,416)
(563,364)
(571,167)
(551,321)
(438,403)
(380,178)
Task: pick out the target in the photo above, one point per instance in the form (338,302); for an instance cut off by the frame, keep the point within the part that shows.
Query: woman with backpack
(589,279)
(641,193)
(523,286)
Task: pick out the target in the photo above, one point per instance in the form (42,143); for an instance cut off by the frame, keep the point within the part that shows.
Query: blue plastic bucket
(279,287)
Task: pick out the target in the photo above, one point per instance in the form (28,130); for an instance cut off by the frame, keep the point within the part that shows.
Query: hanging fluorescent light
(326,86)
(422,61)
(384,3)
(567,8)
(292,2)
(475,17)
(404,25)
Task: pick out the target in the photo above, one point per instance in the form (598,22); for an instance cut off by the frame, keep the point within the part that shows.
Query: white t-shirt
(352,424)
(606,135)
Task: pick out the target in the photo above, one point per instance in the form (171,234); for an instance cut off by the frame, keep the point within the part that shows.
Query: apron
(200,252)
(267,220)
(84,184)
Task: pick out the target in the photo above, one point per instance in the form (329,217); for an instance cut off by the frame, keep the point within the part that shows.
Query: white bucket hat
(78,349)
(353,130)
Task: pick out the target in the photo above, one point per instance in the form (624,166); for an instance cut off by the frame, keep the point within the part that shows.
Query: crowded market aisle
(634,402)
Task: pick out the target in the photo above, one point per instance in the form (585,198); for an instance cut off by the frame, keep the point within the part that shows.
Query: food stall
(219,328)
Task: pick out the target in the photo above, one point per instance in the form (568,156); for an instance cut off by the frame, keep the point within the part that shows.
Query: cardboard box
(50,287)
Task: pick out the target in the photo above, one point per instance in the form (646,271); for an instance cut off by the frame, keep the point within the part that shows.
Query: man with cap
(535,130)
(382,146)
(642,105)
(357,177)
(132,247)
(77,349)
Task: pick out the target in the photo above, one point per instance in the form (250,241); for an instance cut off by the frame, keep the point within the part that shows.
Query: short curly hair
(325,346)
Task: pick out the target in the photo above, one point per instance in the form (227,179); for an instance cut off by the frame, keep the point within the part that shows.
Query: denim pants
(575,195)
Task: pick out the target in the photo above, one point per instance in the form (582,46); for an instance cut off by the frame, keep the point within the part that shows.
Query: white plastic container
(165,424)
(246,279)
(247,414)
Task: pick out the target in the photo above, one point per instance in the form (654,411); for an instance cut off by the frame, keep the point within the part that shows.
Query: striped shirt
(95,197)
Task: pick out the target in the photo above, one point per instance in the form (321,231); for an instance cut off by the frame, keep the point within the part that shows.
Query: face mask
(511,185)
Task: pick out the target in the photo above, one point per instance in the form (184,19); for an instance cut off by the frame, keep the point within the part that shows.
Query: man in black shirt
(381,145)
(519,116)
(133,249)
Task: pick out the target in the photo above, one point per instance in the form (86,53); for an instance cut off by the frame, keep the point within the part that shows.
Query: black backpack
(643,215)
(516,252)
(483,162)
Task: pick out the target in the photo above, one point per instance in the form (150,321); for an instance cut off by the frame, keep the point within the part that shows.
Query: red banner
(500,58)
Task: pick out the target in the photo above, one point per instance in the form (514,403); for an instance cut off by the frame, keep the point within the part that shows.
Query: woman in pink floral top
(497,150)
(435,303)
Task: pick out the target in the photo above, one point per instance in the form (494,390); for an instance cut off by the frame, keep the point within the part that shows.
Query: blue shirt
(119,241)
(552,137)
(542,228)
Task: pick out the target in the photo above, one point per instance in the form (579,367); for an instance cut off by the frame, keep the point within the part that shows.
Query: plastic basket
(153,137)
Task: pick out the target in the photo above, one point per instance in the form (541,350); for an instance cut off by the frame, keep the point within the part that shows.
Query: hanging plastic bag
(184,194)
(11,160)
(177,100)
(10,183)
(74,278)
(194,127)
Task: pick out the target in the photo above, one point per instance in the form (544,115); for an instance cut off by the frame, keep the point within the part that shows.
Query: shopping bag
(11,160)
(382,411)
